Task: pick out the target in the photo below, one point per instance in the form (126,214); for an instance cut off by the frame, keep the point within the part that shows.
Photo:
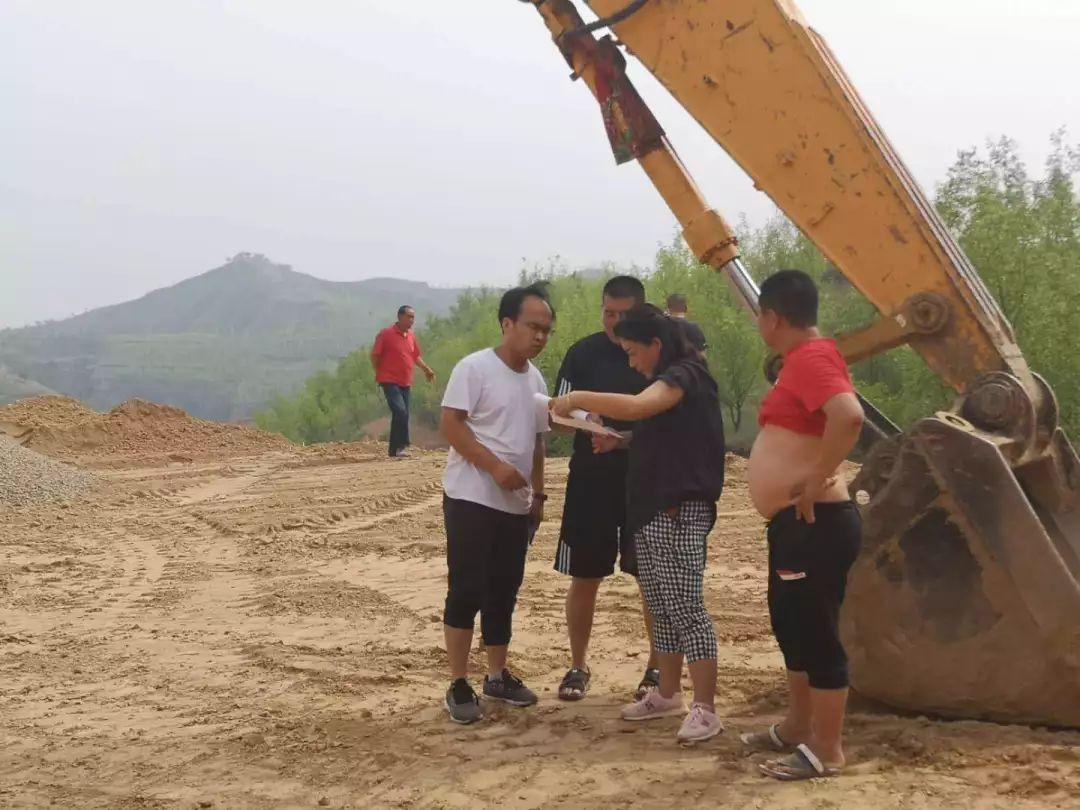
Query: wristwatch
(540,496)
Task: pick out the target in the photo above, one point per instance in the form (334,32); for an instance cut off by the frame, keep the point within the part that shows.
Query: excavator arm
(966,598)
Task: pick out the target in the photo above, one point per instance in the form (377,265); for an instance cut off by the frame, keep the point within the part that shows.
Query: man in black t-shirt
(593,533)
(678,308)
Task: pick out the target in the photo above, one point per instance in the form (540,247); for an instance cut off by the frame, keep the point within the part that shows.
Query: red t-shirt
(813,373)
(397,355)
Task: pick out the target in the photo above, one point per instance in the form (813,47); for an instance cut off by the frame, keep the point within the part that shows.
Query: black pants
(808,567)
(485,559)
(397,397)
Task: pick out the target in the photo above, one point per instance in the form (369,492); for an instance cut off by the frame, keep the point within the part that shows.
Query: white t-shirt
(503,415)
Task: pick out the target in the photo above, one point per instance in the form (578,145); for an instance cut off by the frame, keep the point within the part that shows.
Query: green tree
(736,354)
(1022,234)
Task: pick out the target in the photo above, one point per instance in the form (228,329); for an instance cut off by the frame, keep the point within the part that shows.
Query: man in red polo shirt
(393,356)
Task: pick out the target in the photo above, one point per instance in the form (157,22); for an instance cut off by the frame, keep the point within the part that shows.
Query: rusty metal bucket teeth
(961,604)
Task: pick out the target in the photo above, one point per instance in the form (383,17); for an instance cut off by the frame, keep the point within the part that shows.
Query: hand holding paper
(576,418)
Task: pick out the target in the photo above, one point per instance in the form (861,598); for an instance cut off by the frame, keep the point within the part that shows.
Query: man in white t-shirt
(493,494)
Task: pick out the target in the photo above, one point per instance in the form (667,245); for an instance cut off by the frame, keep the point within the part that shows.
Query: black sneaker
(462,703)
(509,689)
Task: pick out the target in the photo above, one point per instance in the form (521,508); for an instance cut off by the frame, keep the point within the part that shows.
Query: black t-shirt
(677,455)
(595,363)
(693,334)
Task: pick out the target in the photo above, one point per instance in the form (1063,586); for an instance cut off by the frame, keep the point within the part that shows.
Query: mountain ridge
(220,344)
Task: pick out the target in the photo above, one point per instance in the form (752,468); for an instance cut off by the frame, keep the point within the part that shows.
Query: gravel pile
(28,478)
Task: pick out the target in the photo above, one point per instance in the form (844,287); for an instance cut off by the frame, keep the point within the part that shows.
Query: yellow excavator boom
(966,598)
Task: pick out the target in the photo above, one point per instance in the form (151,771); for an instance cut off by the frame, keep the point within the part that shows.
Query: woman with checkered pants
(676,473)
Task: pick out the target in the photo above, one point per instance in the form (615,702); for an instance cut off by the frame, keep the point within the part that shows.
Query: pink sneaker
(654,705)
(700,724)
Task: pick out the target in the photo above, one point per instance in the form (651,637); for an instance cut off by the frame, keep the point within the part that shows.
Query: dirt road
(264,631)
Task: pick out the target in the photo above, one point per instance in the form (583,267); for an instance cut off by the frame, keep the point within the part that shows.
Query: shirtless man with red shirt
(809,421)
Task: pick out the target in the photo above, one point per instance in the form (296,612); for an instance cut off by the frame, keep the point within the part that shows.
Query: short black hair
(676,302)
(792,295)
(512,300)
(403,309)
(625,287)
(647,322)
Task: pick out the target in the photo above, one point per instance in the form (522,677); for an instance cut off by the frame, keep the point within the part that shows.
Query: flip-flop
(575,684)
(803,764)
(649,682)
(768,740)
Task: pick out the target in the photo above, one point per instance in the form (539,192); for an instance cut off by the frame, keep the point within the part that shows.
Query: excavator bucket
(965,600)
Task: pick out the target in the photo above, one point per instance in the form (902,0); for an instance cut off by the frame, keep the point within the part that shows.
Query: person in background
(493,494)
(593,534)
(393,356)
(810,421)
(678,308)
(675,477)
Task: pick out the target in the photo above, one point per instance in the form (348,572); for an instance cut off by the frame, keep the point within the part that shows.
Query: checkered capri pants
(671,565)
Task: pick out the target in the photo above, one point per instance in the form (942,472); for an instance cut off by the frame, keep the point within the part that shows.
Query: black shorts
(593,533)
(485,560)
(808,568)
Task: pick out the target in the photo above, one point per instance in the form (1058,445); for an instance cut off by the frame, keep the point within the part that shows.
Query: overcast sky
(428,139)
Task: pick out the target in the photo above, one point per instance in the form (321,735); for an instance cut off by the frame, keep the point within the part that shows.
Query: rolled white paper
(543,403)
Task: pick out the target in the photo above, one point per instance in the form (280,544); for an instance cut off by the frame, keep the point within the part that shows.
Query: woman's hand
(560,406)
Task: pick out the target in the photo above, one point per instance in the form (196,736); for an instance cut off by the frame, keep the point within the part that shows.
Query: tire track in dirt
(266,632)
(385,510)
(237,480)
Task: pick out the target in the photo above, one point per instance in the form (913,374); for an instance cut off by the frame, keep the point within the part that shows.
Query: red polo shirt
(397,353)
(813,373)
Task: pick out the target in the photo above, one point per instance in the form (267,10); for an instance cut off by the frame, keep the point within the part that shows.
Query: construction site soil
(135,432)
(228,620)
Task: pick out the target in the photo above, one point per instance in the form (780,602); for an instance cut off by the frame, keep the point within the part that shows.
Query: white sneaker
(655,705)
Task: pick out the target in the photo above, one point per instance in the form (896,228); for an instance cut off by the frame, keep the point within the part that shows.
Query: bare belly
(779,461)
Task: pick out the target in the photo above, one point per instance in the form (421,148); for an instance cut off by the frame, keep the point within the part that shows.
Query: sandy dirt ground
(264,631)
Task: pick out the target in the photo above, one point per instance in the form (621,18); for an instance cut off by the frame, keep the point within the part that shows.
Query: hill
(218,345)
(13,387)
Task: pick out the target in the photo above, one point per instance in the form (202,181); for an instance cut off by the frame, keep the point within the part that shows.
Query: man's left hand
(604,444)
(808,492)
(430,374)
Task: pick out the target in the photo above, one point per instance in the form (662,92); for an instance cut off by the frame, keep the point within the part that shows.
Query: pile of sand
(46,412)
(138,430)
